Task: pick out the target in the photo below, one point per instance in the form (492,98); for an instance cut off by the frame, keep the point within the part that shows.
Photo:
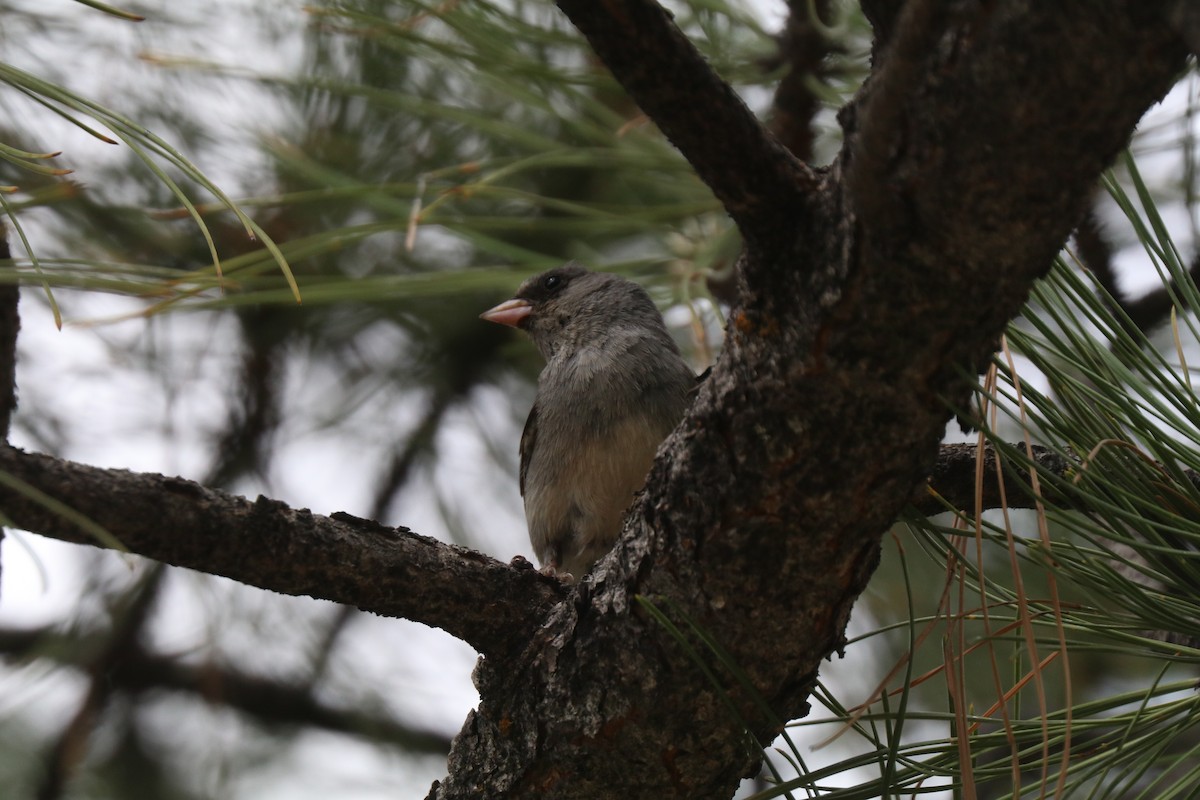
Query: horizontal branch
(953,479)
(758,181)
(268,701)
(388,571)
(394,572)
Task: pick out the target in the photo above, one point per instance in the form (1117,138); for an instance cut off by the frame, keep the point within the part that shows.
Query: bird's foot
(552,571)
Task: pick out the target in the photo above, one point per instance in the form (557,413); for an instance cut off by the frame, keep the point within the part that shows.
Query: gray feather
(614,386)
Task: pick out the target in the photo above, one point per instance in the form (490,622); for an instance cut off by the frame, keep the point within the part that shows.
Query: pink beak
(510,312)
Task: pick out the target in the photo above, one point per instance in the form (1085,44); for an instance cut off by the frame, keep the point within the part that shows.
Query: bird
(613,387)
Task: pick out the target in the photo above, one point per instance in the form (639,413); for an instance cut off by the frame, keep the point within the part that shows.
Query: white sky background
(122,418)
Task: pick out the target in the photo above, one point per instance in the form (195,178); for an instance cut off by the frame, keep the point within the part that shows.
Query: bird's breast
(578,493)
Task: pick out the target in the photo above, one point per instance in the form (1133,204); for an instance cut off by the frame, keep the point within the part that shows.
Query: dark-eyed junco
(613,387)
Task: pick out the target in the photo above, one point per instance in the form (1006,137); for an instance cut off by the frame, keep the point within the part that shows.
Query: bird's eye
(551,282)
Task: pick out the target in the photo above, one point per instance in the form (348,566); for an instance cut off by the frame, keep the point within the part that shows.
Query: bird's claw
(551,571)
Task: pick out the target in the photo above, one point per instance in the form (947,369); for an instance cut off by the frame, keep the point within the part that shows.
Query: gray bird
(613,387)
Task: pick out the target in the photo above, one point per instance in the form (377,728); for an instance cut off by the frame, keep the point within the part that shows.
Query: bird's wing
(528,440)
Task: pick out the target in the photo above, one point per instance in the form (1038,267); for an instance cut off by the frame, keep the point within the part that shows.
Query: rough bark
(953,481)
(264,543)
(969,156)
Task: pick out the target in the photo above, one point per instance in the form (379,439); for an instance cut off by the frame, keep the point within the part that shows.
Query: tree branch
(269,702)
(1185,16)
(803,47)
(390,571)
(758,181)
(953,479)
(1146,312)
(10,325)
(962,173)
(71,745)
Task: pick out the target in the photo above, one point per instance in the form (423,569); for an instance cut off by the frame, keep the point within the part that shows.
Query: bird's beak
(510,312)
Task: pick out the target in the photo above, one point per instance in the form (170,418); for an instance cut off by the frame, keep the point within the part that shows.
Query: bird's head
(570,307)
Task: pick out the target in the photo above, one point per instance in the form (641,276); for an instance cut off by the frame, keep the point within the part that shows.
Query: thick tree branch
(758,181)
(963,171)
(390,571)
